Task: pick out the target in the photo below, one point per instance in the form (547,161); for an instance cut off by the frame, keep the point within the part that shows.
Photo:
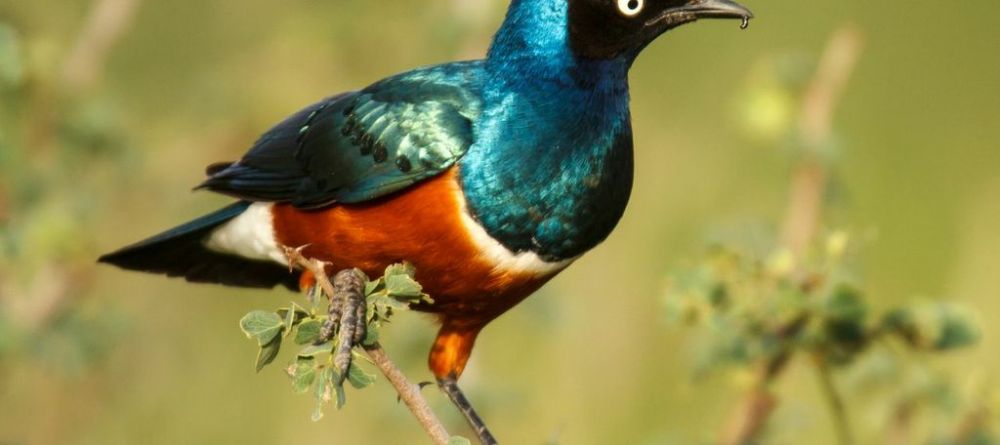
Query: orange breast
(422,225)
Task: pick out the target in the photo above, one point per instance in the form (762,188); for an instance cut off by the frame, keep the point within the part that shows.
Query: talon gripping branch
(490,176)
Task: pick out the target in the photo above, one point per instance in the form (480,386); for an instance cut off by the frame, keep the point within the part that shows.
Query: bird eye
(629,8)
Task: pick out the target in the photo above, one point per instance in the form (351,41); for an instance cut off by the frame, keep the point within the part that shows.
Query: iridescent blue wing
(361,145)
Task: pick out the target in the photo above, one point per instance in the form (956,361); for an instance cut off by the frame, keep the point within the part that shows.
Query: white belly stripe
(249,235)
(498,255)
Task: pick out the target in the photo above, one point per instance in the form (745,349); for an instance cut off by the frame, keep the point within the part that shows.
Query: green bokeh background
(591,358)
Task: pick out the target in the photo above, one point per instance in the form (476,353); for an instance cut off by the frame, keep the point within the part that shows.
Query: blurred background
(110,109)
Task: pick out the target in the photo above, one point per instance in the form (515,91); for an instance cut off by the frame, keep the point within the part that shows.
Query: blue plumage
(551,167)
(539,130)
(362,145)
(541,135)
(536,139)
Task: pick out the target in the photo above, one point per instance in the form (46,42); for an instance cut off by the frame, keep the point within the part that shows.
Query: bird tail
(181,252)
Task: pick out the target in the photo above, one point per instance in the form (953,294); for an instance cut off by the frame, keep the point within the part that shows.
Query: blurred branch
(409,393)
(809,181)
(900,425)
(752,414)
(50,292)
(104,26)
(971,426)
(834,401)
(46,296)
(801,223)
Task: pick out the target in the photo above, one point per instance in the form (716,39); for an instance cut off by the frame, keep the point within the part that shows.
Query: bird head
(546,32)
(606,29)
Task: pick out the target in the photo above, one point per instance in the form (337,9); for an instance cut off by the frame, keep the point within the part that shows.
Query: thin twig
(408,392)
(835,402)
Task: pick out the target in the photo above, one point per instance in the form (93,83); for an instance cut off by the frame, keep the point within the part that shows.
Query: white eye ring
(630,8)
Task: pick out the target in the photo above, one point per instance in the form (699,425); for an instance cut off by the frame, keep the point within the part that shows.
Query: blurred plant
(56,140)
(759,311)
(331,348)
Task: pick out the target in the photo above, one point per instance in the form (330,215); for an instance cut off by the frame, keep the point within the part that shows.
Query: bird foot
(348,310)
(347,320)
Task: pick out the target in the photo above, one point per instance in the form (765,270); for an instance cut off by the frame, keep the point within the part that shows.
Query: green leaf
(371,334)
(955,331)
(938,327)
(261,325)
(323,392)
(458,440)
(404,268)
(268,352)
(383,303)
(292,315)
(374,286)
(358,377)
(308,332)
(403,287)
(314,350)
(399,282)
(341,396)
(303,374)
(846,304)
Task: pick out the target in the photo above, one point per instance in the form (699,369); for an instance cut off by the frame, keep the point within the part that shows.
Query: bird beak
(715,9)
(705,9)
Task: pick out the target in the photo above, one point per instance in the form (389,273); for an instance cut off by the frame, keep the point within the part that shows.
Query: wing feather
(361,145)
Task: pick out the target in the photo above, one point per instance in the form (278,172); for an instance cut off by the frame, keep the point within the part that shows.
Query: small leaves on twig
(317,366)
(755,309)
(932,327)
(758,311)
(262,325)
(314,365)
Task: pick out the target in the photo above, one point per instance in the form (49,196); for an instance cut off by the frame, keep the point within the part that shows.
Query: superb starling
(489,176)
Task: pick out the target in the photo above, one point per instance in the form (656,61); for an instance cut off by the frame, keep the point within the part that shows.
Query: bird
(489,176)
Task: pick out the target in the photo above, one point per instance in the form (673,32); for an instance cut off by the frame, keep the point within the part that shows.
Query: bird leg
(450,387)
(347,312)
(348,322)
(347,318)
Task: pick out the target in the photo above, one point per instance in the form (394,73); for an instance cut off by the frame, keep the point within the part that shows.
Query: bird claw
(420,386)
(347,320)
(294,256)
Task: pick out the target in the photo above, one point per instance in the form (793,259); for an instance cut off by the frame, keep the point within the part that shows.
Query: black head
(605,29)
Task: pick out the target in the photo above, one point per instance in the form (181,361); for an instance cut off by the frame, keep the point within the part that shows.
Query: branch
(107,20)
(751,415)
(408,392)
(801,223)
(821,98)
(835,402)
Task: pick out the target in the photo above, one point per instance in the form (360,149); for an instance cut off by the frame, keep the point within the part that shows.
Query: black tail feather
(181,252)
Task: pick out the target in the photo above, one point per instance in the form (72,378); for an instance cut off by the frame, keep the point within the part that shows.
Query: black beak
(715,9)
(703,9)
